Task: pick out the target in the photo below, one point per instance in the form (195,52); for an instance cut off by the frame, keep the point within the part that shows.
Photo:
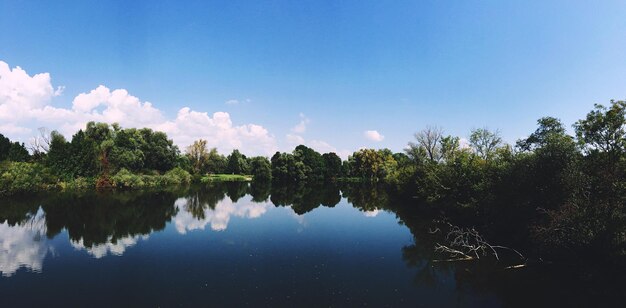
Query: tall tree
(427,143)
(5,146)
(18,152)
(485,142)
(604,130)
(198,156)
(260,168)
(332,164)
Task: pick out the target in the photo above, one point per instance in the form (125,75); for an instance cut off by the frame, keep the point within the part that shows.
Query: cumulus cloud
(294,140)
(373,135)
(301,127)
(25,103)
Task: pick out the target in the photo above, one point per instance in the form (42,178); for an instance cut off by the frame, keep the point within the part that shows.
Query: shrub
(177,176)
(21,177)
(126,179)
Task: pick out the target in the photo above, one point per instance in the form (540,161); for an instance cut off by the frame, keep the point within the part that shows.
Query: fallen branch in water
(467,244)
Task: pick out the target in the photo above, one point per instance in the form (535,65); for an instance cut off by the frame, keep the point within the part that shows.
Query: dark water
(235,245)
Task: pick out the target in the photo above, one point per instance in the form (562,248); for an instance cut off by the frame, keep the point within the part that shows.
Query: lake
(232,244)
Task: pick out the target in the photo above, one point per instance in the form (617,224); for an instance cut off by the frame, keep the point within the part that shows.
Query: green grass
(226,178)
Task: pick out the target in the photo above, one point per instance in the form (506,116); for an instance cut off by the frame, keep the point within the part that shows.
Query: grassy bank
(226,178)
(24,178)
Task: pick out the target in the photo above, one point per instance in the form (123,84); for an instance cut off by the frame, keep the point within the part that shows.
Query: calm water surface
(236,245)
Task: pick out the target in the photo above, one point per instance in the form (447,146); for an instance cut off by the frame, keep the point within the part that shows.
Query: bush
(177,176)
(21,177)
(126,179)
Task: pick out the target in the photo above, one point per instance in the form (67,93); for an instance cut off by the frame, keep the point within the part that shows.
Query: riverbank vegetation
(550,193)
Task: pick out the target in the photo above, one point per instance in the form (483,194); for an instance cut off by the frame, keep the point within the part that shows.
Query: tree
(332,164)
(5,146)
(548,127)
(198,156)
(159,152)
(103,137)
(236,163)
(372,164)
(59,157)
(216,163)
(286,168)
(604,130)
(260,168)
(427,144)
(40,144)
(83,156)
(485,142)
(450,147)
(313,161)
(18,152)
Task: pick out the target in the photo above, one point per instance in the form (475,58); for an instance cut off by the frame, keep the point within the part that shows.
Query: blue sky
(342,67)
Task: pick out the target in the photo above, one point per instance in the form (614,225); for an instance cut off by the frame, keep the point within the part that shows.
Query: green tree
(5,146)
(332,164)
(216,163)
(59,157)
(83,156)
(198,156)
(260,168)
(427,145)
(485,142)
(236,163)
(313,162)
(604,130)
(18,152)
(286,168)
(159,152)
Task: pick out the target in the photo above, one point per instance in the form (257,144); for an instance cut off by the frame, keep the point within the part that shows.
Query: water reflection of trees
(366,197)
(94,218)
(304,198)
(18,209)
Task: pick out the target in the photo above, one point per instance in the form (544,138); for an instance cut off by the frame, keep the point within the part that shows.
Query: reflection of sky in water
(23,245)
(218,217)
(373,213)
(118,248)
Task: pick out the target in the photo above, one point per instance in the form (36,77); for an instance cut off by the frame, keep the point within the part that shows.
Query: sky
(337,76)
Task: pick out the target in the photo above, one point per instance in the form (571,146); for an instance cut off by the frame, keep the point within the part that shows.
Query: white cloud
(237,102)
(373,135)
(464,143)
(294,140)
(25,104)
(20,93)
(301,127)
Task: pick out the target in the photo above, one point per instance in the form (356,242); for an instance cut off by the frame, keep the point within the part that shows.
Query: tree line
(567,190)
